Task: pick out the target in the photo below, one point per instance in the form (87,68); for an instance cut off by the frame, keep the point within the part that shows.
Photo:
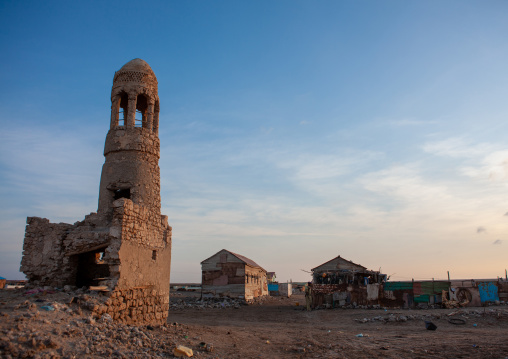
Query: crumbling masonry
(124,248)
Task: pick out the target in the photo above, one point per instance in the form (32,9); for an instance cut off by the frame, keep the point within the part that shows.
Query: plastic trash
(49,308)
(430,326)
(361,335)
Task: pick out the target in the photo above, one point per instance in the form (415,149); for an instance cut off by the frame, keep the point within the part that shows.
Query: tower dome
(135,89)
(137,71)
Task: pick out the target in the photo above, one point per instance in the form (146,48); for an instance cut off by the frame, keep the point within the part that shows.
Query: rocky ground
(57,324)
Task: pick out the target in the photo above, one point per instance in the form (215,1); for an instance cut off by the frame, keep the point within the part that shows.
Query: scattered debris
(430,326)
(181,351)
(457,321)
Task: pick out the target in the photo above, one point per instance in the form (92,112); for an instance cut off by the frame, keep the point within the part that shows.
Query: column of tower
(132,147)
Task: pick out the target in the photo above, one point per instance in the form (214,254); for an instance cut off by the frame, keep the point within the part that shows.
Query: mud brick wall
(135,305)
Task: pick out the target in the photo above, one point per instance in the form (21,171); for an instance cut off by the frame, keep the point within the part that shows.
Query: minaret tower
(132,148)
(123,250)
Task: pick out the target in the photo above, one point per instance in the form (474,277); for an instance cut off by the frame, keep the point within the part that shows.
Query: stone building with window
(233,275)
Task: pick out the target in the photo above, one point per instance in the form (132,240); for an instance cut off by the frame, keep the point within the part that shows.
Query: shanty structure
(2,282)
(340,282)
(233,275)
(339,270)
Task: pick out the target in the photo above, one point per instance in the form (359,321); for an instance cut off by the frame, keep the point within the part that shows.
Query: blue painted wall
(488,292)
(273,287)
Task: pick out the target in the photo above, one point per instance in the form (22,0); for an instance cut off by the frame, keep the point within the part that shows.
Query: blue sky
(291,131)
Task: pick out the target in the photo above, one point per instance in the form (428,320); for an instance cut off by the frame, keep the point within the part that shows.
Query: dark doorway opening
(91,268)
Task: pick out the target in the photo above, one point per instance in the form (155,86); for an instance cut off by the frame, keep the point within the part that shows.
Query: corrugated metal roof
(398,285)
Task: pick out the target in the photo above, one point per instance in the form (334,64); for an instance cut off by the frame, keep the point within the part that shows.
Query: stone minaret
(132,147)
(123,250)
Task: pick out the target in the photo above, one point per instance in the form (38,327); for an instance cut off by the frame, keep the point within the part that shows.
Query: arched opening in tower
(123,109)
(141,111)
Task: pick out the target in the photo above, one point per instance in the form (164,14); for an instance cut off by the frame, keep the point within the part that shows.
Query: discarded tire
(457,321)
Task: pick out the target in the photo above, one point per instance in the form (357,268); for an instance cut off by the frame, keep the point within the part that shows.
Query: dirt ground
(273,328)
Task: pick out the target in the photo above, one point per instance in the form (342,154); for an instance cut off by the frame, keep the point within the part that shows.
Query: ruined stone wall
(50,249)
(124,249)
(134,305)
(43,254)
(135,223)
(144,253)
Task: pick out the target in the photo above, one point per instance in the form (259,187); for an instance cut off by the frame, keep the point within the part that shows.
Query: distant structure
(340,282)
(341,271)
(233,275)
(125,248)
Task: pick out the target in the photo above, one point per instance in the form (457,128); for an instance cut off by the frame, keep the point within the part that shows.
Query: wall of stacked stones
(43,256)
(135,305)
(138,224)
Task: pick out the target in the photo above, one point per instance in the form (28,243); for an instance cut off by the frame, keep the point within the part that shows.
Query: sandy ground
(273,328)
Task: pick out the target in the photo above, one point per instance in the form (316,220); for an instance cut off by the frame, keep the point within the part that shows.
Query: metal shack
(340,282)
(233,275)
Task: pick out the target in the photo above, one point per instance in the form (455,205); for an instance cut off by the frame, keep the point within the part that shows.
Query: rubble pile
(41,324)
(206,303)
(463,314)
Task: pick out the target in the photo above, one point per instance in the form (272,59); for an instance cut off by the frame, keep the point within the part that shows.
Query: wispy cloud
(457,147)
(497,241)
(481,230)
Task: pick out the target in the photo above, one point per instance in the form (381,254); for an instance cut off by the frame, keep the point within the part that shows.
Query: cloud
(480,160)
(497,241)
(481,230)
(456,147)
(406,183)
(304,122)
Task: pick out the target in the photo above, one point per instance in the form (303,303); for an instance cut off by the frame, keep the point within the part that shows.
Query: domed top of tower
(134,74)
(137,65)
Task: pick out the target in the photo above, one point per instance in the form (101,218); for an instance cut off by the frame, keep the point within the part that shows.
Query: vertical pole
(448,276)
(506,274)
